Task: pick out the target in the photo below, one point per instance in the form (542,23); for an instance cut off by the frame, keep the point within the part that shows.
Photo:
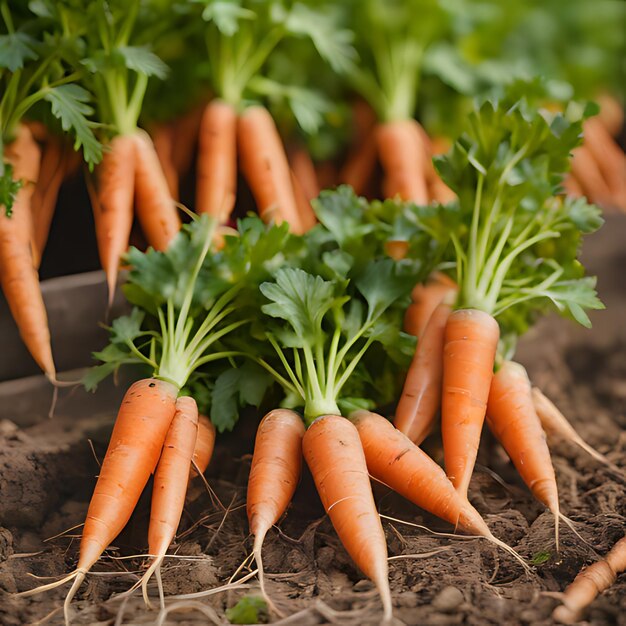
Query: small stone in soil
(448,599)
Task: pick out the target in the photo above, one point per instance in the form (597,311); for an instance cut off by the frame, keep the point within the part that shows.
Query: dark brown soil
(47,472)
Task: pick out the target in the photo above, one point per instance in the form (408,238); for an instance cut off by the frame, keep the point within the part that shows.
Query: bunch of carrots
(327,320)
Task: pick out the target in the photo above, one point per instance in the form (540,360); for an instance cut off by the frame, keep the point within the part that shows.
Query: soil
(47,472)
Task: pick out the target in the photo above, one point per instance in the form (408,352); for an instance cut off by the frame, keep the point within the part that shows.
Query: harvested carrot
(18,275)
(609,157)
(439,191)
(511,417)
(556,425)
(264,164)
(303,170)
(402,156)
(426,298)
(587,172)
(591,582)
(334,454)
(471,339)
(113,205)
(163,140)
(360,163)
(305,210)
(216,187)
(421,394)
(274,475)
(611,113)
(205,443)
(572,187)
(156,210)
(136,442)
(170,486)
(186,131)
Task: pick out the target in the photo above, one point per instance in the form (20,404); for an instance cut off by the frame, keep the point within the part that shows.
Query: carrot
(610,158)
(586,171)
(326,174)
(439,191)
(264,164)
(511,417)
(170,486)
(591,582)
(186,131)
(305,210)
(402,156)
(136,442)
(113,204)
(393,459)
(611,113)
(18,276)
(274,475)
(556,425)
(303,169)
(426,298)
(205,442)
(359,166)
(216,187)
(471,339)
(163,140)
(421,394)
(572,187)
(334,454)
(156,210)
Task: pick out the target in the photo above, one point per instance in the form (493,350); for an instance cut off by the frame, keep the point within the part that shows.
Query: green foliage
(248,610)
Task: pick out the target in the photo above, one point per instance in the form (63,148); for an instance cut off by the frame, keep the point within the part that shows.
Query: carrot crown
(514,238)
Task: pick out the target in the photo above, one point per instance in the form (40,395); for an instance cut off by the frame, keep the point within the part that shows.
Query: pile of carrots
(336,305)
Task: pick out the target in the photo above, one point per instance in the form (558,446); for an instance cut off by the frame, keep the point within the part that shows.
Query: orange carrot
(611,113)
(402,156)
(421,395)
(274,475)
(186,131)
(264,164)
(586,171)
(205,443)
(426,298)
(136,442)
(303,169)
(113,204)
(334,454)
(591,582)
(156,210)
(326,174)
(439,191)
(609,157)
(18,276)
(217,161)
(359,166)
(163,140)
(511,417)
(170,486)
(305,210)
(469,351)
(572,187)
(556,425)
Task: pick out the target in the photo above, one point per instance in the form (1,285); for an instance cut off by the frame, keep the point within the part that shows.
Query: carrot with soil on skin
(512,418)
(471,340)
(274,475)
(556,425)
(426,298)
(421,394)
(163,139)
(155,207)
(589,583)
(305,210)
(143,420)
(334,454)
(264,164)
(216,186)
(169,488)
(18,276)
(112,203)
(205,442)
(402,156)
(394,460)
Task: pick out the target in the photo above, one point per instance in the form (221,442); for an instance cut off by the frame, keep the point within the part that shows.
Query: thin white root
(209,592)
(256,551)
(155,567)
(207,611)
(49,586)
(419,555)
(570,524)
(70,595)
